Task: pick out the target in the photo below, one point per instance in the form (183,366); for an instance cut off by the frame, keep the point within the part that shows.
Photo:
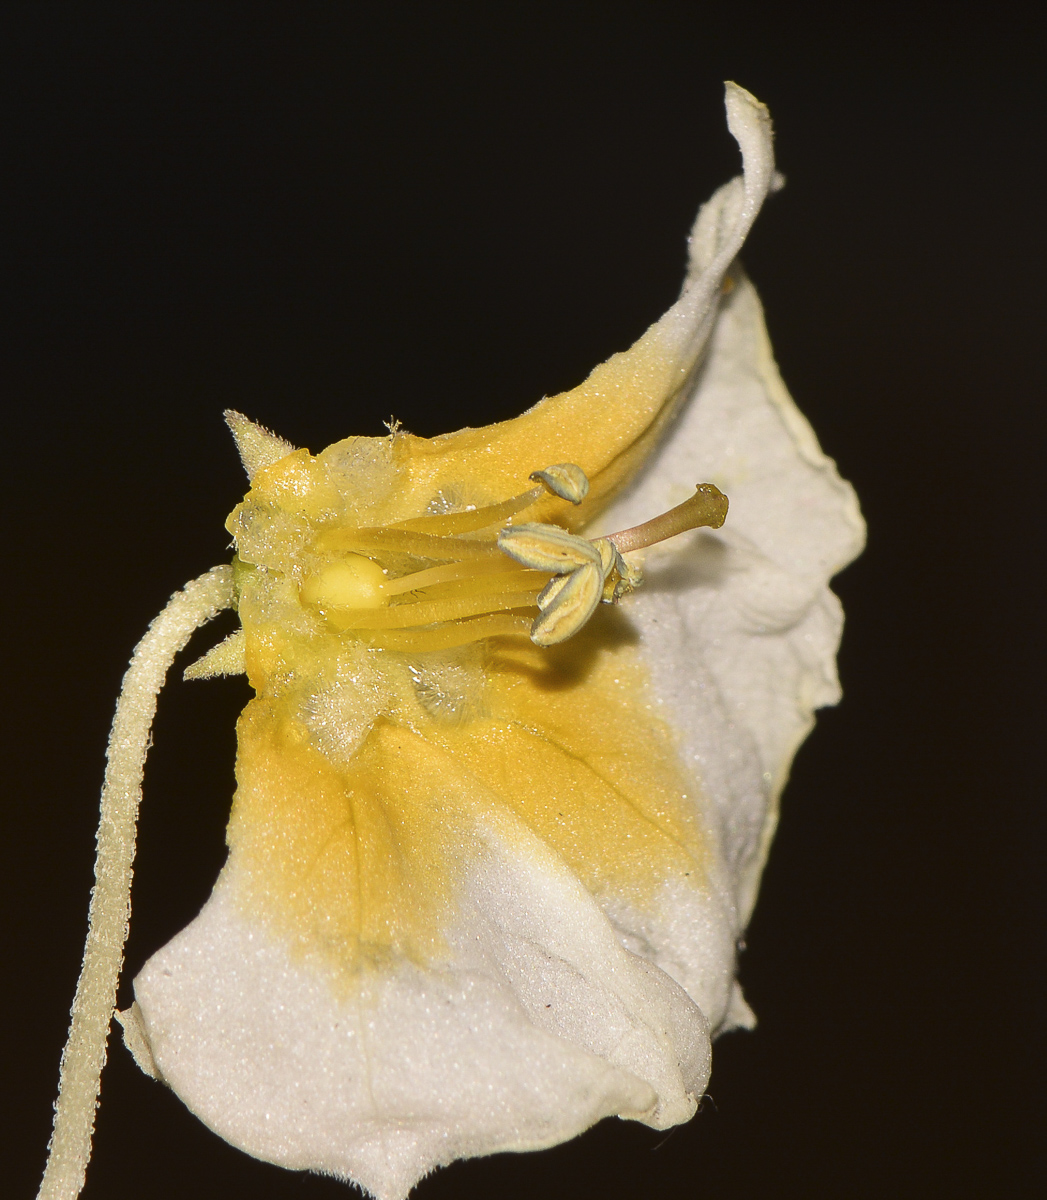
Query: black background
(323,216)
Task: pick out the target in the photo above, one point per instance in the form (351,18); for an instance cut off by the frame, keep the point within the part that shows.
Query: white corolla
(526,698)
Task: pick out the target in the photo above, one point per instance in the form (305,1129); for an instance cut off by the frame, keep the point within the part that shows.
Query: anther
(620,577)
(551,590)
(566,480)
(569,606)
(547,548)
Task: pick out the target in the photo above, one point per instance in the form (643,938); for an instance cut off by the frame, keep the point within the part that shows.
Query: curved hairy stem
(95,1000)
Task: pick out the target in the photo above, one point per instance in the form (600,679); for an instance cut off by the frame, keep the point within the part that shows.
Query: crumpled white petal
(538,1025)
(554,1008)
(738,627)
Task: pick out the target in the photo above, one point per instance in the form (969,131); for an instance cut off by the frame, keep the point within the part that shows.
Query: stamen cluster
(485,569)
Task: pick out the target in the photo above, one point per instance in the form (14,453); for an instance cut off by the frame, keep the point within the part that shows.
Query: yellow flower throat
(400,701)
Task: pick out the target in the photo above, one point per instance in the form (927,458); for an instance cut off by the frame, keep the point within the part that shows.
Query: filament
(474,518)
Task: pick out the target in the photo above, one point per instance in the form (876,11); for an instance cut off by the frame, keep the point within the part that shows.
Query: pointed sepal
(259,447)
(227,658)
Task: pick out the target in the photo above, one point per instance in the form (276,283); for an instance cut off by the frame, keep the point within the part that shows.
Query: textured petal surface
(738,627)
(479,897)
(537,1024)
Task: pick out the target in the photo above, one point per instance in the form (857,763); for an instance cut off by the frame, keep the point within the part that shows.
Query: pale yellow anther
(353,581)
(619,578)
(571,606)
(551,590)
(547,548)
(566,480)
(610,559)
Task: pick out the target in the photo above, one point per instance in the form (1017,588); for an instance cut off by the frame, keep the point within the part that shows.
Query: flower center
(444,580)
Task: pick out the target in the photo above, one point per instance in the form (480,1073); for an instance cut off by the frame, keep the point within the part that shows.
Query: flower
(493,843)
